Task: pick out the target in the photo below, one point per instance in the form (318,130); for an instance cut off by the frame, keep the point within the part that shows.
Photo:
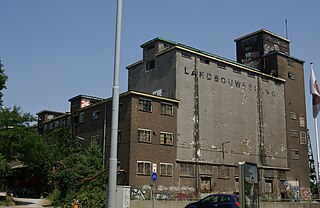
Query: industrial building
(192,116)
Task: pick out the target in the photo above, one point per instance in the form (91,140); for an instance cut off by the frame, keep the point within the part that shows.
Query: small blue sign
(154,176)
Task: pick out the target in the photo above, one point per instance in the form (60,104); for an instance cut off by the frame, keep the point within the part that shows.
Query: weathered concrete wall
(235,105)
(181,204)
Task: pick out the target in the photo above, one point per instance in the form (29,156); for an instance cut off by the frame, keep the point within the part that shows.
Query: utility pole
(112,185)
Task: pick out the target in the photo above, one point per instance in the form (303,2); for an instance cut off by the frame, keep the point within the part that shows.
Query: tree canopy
(58,160)
(3,79)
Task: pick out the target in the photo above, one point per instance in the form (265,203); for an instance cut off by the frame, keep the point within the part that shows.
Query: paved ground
(29,203)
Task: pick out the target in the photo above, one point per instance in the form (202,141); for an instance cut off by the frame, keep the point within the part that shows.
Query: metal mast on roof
(286,21)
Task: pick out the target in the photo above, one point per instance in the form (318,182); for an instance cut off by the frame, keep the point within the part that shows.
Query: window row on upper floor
(145,136)
(299,135)
(146,105)
(301,118)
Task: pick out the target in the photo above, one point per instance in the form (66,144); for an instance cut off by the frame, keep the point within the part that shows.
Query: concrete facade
(270,54)
(228,112)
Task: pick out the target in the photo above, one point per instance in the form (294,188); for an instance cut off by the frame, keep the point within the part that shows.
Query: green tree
(3,79)
(15,129)
(77,172)
(19,141)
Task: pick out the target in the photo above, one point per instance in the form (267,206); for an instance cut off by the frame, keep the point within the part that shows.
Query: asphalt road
(29,203)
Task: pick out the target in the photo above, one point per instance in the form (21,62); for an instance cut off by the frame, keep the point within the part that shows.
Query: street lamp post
(112,182)
(222,147)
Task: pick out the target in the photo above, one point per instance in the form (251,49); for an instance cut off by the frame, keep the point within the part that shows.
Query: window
(186,55)
(166,138)
(145,105)
(186,169)
(205,61)
(150,65)
(166,109)
(56,124)
(63,122)
(303,137)
(166,169)
(95,115)
(221,65)
(268,186)
(50,126)
(223,172)
(277,83)
(293,116)
(94,140)
(236,183)
(281,174)
(205,185)
(144,167)
(144,135)
(237,70)
(291,75)
(290,62)
(81,117)
(295,154)
(69,121)
(120,107)
(268,173)
(251,75)
(302,121)
(166,45)
(294,133)
(206,169)
(119,135)
(149,47)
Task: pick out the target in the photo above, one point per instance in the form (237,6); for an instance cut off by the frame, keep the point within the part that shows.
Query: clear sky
(56,49)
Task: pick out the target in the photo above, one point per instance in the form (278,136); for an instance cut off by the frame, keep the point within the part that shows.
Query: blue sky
(56,49)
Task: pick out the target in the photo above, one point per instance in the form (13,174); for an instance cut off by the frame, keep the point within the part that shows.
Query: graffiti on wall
(163,192)
(270,48)
(252,58)
(295,192)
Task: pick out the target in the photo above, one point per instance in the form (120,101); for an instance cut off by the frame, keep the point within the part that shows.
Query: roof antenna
(286,21)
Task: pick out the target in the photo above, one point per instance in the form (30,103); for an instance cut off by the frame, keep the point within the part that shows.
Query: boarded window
(268,186)
(223,172)
(205,185)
